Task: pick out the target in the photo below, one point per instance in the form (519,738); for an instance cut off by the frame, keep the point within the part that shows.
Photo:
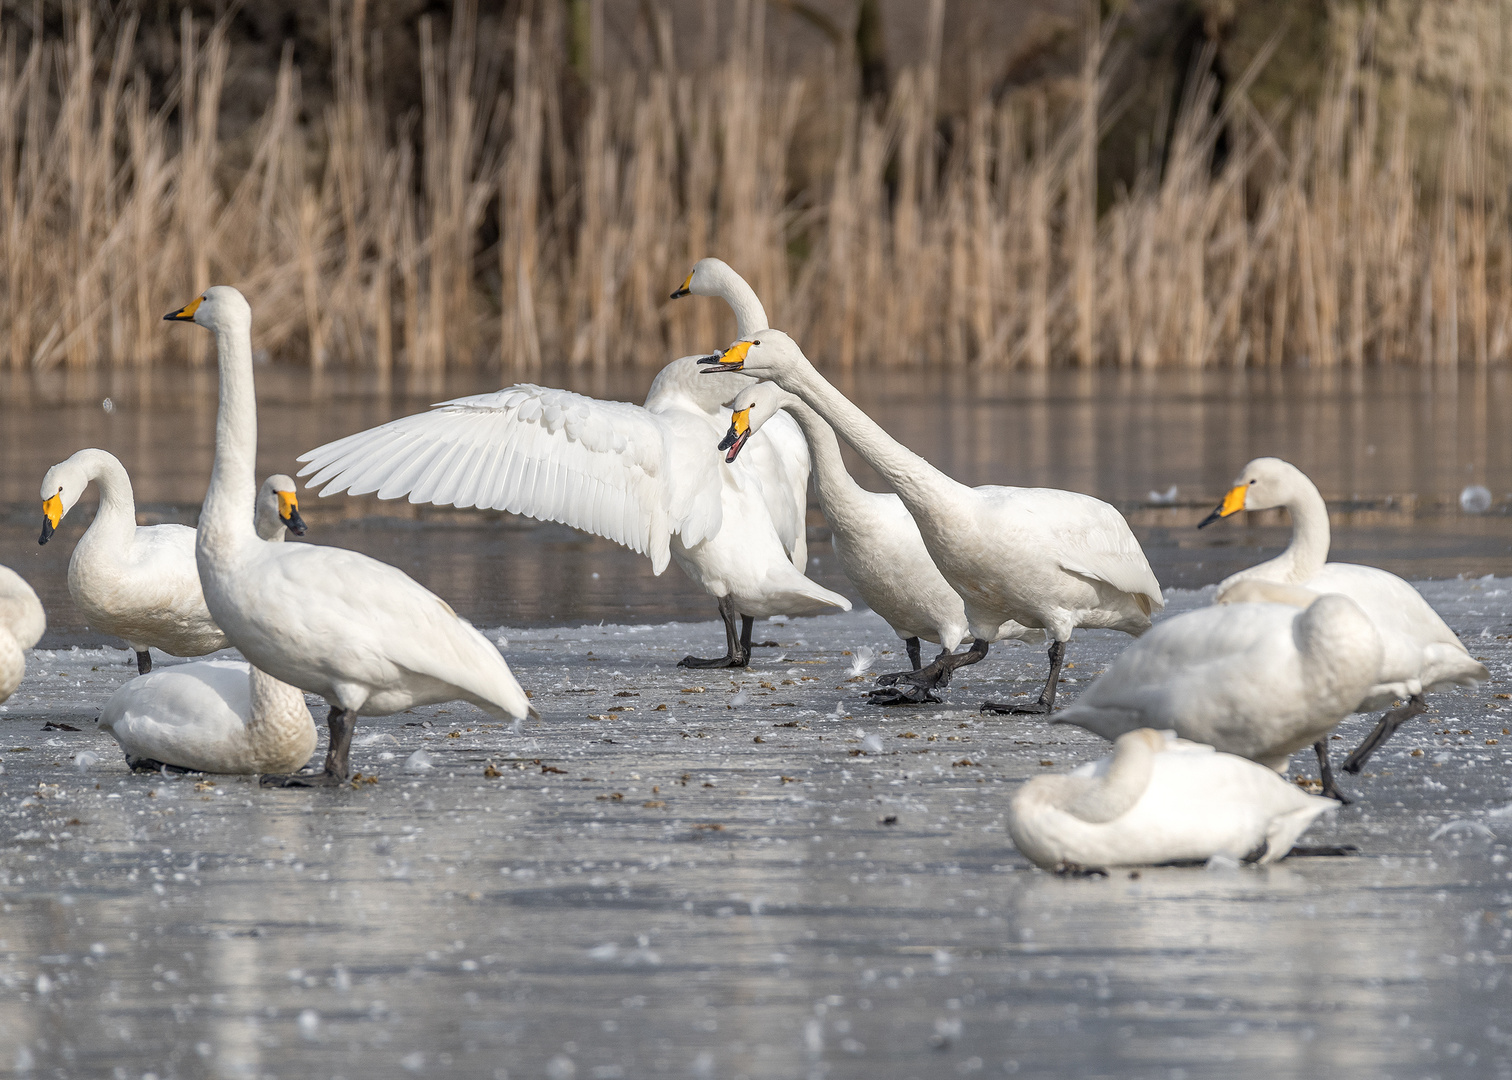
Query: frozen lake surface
(703,874)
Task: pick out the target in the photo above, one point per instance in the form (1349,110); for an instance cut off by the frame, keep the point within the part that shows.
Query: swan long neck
(843,499)
(116,516)
(1122,785)
(275,705)
(750,316)
(931,497)
(1308,550)
(233,484)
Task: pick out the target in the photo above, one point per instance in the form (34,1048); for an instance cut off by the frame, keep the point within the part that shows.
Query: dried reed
(1330,242)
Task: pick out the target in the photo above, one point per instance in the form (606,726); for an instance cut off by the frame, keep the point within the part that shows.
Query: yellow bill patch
(186,313)
(687,284)
(740,422)
(52,509)
(736,353)
(288,502)
(1233,502)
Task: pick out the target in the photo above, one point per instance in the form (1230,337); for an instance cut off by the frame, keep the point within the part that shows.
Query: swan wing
(606,467)
(779,455)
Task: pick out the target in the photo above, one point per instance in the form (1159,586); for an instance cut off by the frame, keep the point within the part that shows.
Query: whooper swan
(644,476)
(360,633)
(1159,799)
(220,716)
(877,543)
(1420,652)
(22,622)
(1256,679)
(1036,557)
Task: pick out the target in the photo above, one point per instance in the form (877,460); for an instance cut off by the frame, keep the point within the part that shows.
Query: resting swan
(1257,680)
(22,622)
(1159,799)
(220,716)
(360,633)
(644,476)
(1033,557)
(876,541)
(1420,652)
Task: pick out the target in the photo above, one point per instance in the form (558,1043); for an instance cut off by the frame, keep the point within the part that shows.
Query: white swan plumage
(1159,799)
(1260,680)
(1420,653)
(1034,557)
(874,536)
(22,623)
(645,476)
(219,716)
(360,633)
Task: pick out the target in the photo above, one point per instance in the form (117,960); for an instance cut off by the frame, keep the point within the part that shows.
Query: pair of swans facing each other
(1020,559)
(219,716)
(22,623)
(360,633)
(645,476)
(140,582)
(1159,799)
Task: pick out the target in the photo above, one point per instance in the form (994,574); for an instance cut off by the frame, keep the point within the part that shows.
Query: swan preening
(1040,558)
(360,633)
(1419,651)
(22,622)
(220,716)
(1159,799)
(877,542)
(1260,680)
(644,476)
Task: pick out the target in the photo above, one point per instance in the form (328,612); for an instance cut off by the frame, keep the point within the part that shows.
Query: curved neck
(274,704)
(933,498)
(1116,792)
(842,498)
(233,484)
(750,316)
(1310,534)
(117,512)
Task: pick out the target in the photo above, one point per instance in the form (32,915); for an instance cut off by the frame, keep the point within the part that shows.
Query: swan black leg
(912,645)
(1046,700)
(1325,772)
(144,661)
(338,764)
(737,643)
(915,687)
(1385,728)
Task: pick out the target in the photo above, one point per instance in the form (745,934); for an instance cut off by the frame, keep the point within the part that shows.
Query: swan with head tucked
(1420,652)
(220,716)
(1260,680)
(360,633)
(1040,558)
(876,540)
(138,582)
(645,476)
(1159,799)
(22,622)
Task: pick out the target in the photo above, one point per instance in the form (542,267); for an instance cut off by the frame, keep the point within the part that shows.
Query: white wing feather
(553,455)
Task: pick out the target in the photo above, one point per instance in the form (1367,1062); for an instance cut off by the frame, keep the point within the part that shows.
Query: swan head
(765,355)
(1263,483)
(220,307)
(278,509)
(752,408)
(61,488)
(709,277)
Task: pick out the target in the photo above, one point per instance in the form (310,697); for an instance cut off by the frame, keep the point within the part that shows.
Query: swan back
(1159,799)
(21,613)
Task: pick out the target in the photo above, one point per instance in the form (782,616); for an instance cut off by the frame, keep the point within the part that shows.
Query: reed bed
(492,225)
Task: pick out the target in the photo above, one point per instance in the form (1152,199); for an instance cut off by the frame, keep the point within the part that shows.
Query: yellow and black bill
(685,289)
(1232,503)
(732,359)
(185,313)
(52,513)
(735,439)
(288,512)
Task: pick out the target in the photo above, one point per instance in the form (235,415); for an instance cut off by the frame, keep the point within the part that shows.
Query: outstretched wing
(601,466)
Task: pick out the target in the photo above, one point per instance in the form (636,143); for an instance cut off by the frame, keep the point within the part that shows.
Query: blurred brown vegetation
(418,185)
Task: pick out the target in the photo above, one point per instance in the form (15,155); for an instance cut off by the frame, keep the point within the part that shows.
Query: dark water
(1390,449)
